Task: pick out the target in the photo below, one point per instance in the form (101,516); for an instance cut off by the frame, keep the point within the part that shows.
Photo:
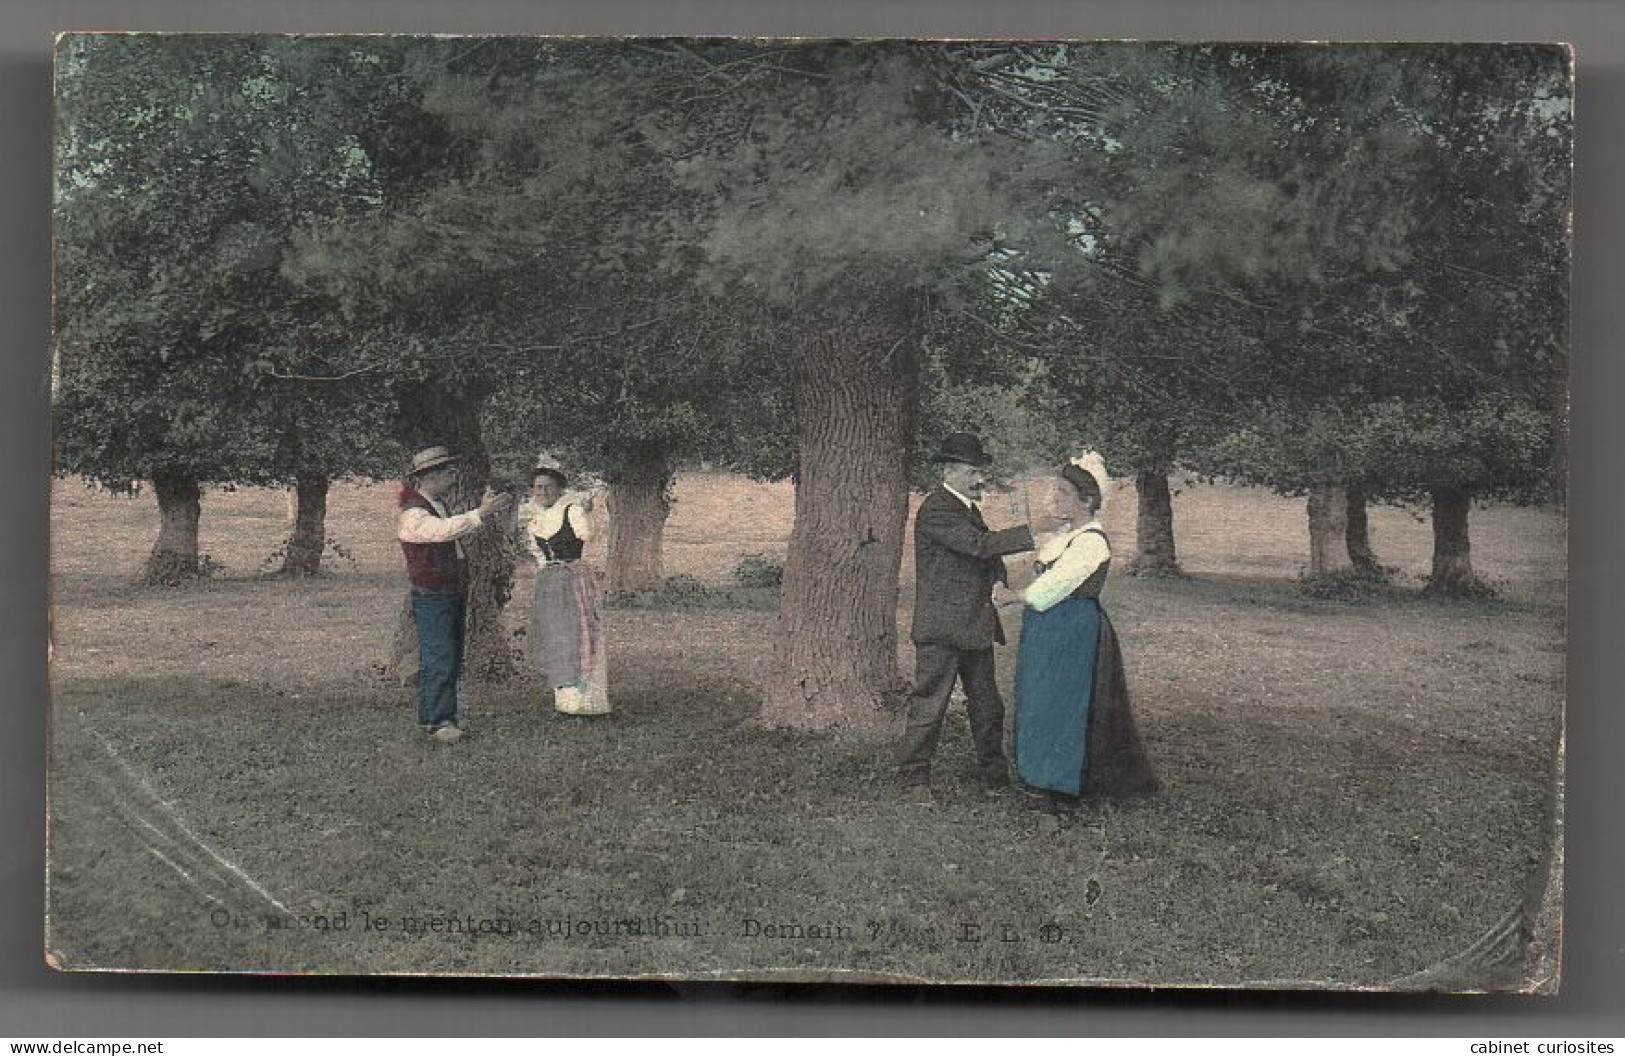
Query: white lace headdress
(1092,462)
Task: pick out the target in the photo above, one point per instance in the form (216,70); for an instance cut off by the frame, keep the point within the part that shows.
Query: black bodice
(564,544)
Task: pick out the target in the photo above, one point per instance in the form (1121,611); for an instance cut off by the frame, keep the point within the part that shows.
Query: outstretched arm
(421,526)
(954,531)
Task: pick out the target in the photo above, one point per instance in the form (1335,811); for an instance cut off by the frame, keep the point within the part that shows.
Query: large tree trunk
(437,412)
(1358,532)
(303,556)
(638,505)
(1328,530)
(402,666)
(180,506)
(1452,550)
(835,649)
(1154,525)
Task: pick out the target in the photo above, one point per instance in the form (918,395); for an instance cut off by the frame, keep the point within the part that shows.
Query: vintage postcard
(1048,512)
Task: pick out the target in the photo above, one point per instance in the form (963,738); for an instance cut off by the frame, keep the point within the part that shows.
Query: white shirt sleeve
(418,525)
(1087,552)
(580,522)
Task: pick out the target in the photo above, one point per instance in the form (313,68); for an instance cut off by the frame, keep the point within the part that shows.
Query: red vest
(430,566)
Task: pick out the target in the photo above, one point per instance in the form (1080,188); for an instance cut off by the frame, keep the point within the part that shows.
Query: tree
(641,367)
(152,263)
(1145,340)
(185,356)
(1434,371)
(331,155)
(1294,201)
(1482,411)
(692,380)
(524,324)
(213,261)
(835,192)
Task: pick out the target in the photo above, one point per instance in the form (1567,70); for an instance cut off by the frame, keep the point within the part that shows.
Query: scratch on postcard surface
(168,811)
(1499,949)
(184,875)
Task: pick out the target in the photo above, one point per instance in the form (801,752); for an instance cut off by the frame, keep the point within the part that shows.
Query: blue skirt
(1075,733)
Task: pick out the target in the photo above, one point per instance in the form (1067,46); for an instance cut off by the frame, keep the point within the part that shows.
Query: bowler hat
(430,458)
(963,447)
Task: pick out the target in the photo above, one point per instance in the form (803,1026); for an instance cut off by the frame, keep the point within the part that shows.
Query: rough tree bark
(638,505)
(835,646)
(1452,548)
(1358,532)
(303,556)
(1154,525)
(402,665)
(439,412)
(1328,530)
(174,555)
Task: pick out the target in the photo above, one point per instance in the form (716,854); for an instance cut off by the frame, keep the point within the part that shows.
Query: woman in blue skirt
(1075,733)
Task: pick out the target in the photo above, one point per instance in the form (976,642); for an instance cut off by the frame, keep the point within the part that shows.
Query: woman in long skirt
(1075,732)
(566,631)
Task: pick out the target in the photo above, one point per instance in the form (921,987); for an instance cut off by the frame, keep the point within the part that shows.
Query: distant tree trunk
(1358,532)
(180,506)
(439,412)
(835,645)
(1154,524)
(304,553)
(1452,549)
(1328,530)
(638,507)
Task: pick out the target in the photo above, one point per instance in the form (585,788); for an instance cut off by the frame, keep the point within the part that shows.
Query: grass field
(1355,793)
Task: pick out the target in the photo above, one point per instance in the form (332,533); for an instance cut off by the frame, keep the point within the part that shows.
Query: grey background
(36,1002)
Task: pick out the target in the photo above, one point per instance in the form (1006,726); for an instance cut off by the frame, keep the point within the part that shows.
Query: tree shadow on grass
(1288,596)
(96,592)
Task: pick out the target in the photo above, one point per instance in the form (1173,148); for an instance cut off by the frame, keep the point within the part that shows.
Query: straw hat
(430,458)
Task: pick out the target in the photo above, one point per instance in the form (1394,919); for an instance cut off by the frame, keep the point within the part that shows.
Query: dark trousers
(935,667)
(439,616)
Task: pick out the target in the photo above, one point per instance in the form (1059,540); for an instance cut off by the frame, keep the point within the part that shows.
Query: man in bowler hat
(957,560)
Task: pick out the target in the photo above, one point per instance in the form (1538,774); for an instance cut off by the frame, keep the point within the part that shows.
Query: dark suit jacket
(956,562)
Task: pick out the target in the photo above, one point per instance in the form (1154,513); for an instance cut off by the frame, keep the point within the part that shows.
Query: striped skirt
(567,638)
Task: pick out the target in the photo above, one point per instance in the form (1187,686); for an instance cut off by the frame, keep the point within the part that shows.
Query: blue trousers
(439,616)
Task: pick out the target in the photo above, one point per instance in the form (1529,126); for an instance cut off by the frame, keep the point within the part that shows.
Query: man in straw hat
(957,560)
(429,536)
